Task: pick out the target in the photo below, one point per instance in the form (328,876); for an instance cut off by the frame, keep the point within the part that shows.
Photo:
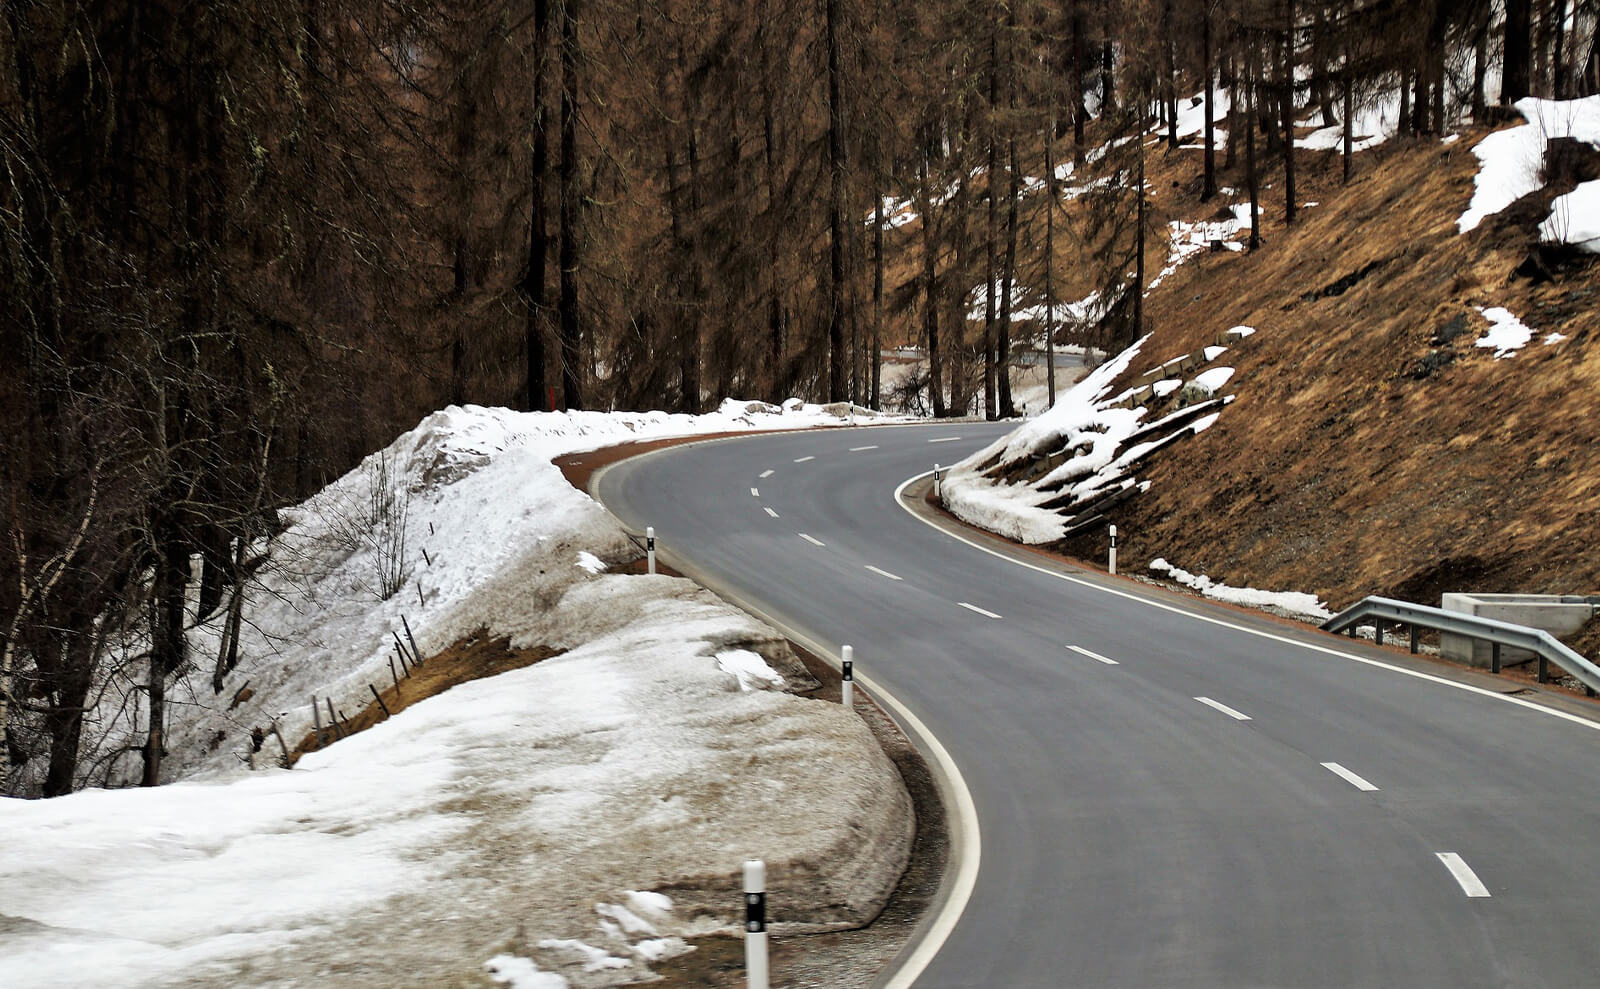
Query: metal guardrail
(1546,647)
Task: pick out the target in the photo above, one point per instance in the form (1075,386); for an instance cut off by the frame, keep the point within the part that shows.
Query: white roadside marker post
(755,923)
(847,684)
(1113,549)
(650,546)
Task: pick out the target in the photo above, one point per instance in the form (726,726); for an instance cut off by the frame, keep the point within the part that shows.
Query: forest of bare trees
(244,244)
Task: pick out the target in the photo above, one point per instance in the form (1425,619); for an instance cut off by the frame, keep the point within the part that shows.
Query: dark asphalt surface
(1133,835)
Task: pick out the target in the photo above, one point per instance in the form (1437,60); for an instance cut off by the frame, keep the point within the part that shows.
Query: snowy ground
(1512,162)
(577,818)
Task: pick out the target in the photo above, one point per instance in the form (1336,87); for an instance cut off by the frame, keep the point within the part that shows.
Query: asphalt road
(1134,830)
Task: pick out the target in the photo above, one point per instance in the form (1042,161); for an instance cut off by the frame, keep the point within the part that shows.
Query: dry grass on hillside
(474,658)
(1373,448)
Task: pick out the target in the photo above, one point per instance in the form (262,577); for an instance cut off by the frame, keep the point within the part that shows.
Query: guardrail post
(650,546)
(1494,657)
(1416,638)
(847,685)
(755,923)
(1113,562)
(1544,668)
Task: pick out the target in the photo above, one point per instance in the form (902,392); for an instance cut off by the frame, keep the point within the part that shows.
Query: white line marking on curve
(1470,883)
(858,449)
(1348,776)
(766,474)
(1242,629)
(772,513)
(882,573)
(813,541)
(945,439)
(801,460)
(981,611)
(1094,655)
(755,492)
(1225,709)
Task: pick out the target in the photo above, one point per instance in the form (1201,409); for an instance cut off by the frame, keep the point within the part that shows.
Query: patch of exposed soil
(473,658)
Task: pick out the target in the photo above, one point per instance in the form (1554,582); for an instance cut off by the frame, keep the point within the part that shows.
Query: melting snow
(1506,334)
(1513,159)
(1294,602)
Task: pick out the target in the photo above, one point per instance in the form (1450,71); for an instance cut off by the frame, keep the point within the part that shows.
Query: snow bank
(1294,603)
(502,810)
(1512,163)
(1079,416)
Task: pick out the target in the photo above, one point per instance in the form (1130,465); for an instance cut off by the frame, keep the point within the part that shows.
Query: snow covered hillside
(580,816)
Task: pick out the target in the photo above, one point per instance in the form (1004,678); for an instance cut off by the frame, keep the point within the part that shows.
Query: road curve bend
(1167,793)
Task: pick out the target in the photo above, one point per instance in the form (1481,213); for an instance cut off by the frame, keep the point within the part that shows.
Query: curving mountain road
(1167,793)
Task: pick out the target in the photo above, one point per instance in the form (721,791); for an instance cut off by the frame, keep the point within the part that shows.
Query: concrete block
(1558,614)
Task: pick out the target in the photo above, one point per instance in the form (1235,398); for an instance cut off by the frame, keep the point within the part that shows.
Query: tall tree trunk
(836,167)
(930,284)
(1141,219)
(1287,98)
(1480,69)
(1252,176)
(875,396)
(991,230)
(1515,78)
(1049,272)
(774,300)
(571,330)
(1169,70)
(1008,409)
(1209,189)
(1078,110)
(1558,60)
(535,390)
(1347,82)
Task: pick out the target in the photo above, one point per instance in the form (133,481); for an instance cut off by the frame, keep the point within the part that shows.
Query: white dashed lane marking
(1348,776)
(1225,709)
(982,611)
(1094,655)
(882,573)
(812,540)
(772,513)
(1464,876)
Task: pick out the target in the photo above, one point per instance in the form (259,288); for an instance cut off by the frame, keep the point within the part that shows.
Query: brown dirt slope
(1372,447)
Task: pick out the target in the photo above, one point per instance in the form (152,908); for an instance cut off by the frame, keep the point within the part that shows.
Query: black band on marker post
(849,668)
(755,912)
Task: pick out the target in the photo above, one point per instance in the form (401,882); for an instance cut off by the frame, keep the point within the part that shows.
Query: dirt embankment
(1373,448)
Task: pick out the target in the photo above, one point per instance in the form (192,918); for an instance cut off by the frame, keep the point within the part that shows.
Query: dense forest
(243,243)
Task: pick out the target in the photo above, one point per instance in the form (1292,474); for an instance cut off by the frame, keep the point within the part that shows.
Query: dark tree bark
(532,287)
(1516,78)
(1286,98)
(1209,189)
(836,234)
(930,287)
(571,328)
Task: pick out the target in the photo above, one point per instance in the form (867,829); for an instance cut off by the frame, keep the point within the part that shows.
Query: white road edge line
(858,449)
(772,513)
(766,474)
(1349,777)
(812,541)
(801,460)
(945,439)
(981,611)
(1094,655)
(755,492)
(1225,709)
(882,573)
(1469,881)
(1243,629)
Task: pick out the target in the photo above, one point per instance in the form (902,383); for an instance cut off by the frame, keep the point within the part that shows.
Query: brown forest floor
(1368,451)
